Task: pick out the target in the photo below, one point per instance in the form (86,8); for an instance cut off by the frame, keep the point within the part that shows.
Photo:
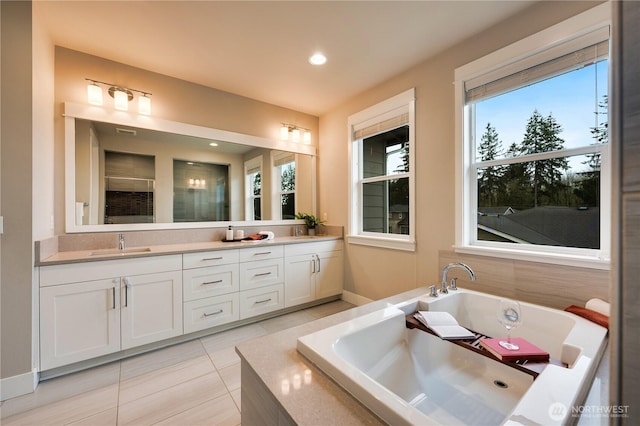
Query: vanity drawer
(209,258)
(313,248)
(261,300)
(210,312)
(262,252)
(261,273)
(212,281)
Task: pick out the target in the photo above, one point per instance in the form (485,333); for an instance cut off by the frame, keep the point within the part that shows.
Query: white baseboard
(355,299)
(11,387)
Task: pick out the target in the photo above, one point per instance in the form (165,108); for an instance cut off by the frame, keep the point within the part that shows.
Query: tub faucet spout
(446,270)
(121,244)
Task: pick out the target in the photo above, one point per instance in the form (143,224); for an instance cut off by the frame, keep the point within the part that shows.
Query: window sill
(388,243)
(579,261)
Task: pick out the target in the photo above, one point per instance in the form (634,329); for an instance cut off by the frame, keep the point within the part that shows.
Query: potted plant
(310,220)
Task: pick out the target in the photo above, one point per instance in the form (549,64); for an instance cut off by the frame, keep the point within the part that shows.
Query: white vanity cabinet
(313,271)
(95,308)
(261,280)
(211,282)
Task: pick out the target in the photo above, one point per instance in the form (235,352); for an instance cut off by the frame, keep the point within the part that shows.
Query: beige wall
(16,168)
(33,152)
(376,273)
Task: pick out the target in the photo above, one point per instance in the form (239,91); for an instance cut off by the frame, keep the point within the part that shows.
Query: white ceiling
(260,49)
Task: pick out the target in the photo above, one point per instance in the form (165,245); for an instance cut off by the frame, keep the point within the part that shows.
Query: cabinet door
(151,308)
(79,321)
(299,281)
(329,274)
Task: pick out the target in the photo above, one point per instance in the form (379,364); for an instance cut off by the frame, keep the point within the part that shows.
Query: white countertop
(159,250)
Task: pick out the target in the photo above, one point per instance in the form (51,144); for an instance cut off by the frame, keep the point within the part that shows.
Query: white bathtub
(412,377)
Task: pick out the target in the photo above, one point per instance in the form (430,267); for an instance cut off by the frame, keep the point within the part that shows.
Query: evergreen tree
(588,188)
(515,180)
(490,182)
(542,135)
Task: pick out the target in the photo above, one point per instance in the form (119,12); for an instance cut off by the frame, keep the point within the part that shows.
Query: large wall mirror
(129,172)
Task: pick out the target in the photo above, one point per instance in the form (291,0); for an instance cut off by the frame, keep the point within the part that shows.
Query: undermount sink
(123,252)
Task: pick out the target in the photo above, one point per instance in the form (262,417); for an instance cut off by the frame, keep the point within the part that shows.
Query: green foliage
(542,135)
(490,180)
(310,220)
(543,182)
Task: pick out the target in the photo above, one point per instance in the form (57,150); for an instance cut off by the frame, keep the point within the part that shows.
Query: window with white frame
(382,187)
(253,188)
(284,182)
(534,166)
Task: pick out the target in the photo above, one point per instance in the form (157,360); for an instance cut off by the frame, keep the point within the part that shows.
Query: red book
(527,351)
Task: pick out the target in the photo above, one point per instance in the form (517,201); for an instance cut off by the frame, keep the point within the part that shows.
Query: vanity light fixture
(294,133)
(197,183)
(144,104)
(94,94)
(121,96)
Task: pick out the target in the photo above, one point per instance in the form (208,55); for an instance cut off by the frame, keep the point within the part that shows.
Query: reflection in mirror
(285,174)
(129,180)
(253,188)
(200,191)
(126,175)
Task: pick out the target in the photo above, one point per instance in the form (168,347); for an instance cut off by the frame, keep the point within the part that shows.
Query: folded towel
(599,306)
(593,316)
(255,237)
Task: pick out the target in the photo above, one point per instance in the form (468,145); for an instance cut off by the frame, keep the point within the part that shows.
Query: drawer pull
(263,301)
(213,313)
(263,253)
(212,258)
(262,274)
(212,282)
(113,293)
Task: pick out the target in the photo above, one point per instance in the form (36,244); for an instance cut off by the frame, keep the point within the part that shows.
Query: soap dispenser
(229,234)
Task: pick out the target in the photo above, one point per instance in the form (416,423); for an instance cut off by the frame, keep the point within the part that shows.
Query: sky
(571,98)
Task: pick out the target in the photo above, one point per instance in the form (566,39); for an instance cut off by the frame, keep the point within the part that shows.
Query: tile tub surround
(271,366)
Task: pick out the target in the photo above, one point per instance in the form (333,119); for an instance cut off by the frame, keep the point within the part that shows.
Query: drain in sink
(500,384)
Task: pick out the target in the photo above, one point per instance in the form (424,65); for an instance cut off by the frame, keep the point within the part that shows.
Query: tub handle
(453,285)
(433,291)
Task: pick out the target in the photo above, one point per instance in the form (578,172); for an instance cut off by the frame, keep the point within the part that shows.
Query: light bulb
(306,137)
(94,94)
(295,134)
(317,59)
(284,132)
(144,105)
(121,100)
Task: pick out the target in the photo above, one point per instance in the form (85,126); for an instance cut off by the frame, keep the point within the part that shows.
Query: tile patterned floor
(193,383)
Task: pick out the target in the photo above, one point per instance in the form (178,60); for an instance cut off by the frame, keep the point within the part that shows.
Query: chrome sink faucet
(121,244)
(445,271)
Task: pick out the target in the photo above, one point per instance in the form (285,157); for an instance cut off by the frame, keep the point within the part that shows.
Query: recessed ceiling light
(317,59)
(213,144)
